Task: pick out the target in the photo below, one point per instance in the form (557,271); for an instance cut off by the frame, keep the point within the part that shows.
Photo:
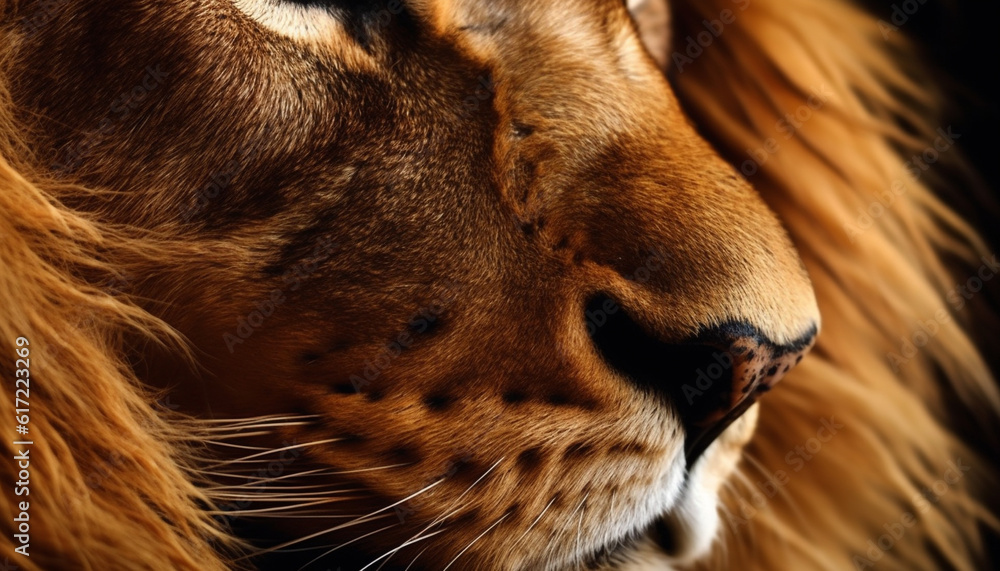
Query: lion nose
(709,379)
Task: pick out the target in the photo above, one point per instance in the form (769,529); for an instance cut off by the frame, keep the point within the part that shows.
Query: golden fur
(873,290)
(119,481)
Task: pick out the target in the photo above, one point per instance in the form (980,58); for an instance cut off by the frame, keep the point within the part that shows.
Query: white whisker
(218,433)
(462,495)
(263,425)
(442,517)
(312,515)
(250,420)
(240,446)
(579,529)
(558,539)
(415,558)
(537,519)
(410,541)
(250,458)
(360,537)
(279,508)
(473,542)
(342,526)
(278,496)
(257,485)
(316,472)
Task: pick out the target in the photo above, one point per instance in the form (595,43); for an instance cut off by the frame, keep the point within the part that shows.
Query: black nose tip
(710,379)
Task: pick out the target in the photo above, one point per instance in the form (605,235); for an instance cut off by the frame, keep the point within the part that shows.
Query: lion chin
(690,524)
(469,284)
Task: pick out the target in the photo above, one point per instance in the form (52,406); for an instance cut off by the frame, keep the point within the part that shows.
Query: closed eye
(297,20)
(318,20)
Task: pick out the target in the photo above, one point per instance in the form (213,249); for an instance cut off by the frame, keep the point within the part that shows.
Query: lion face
(477,245)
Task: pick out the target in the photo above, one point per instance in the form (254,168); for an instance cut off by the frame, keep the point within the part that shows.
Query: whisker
(275,497)
(360,470)
(230,445)
(255,485)
(267,425)
(537,519)
(312,515)
(473,542)
(222,433)
(255,481)
(579,530)
(558,539)
(342,526)
(316,472)
(610,513)
(250,420)
(415,558)
(249,459)
(438,520)
(410,541)
(467,490)
(279,508)
(360,537)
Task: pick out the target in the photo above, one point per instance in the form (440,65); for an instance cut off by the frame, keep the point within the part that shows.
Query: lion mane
(114,474)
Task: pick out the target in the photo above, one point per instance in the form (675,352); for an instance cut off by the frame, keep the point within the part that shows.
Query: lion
(428,284)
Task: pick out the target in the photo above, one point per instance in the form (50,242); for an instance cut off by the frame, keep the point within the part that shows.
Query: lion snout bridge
(709,379)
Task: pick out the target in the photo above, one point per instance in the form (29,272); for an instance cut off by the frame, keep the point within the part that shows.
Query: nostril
(709,380)
(695,378)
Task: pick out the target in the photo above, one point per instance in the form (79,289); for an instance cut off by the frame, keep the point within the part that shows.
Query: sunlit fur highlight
(152,512)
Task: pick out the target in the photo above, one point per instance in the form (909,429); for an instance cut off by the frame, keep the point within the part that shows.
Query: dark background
(960,40)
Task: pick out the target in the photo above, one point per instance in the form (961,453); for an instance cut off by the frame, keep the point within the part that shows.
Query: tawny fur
(875,286)
(111,478)
(147,507)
